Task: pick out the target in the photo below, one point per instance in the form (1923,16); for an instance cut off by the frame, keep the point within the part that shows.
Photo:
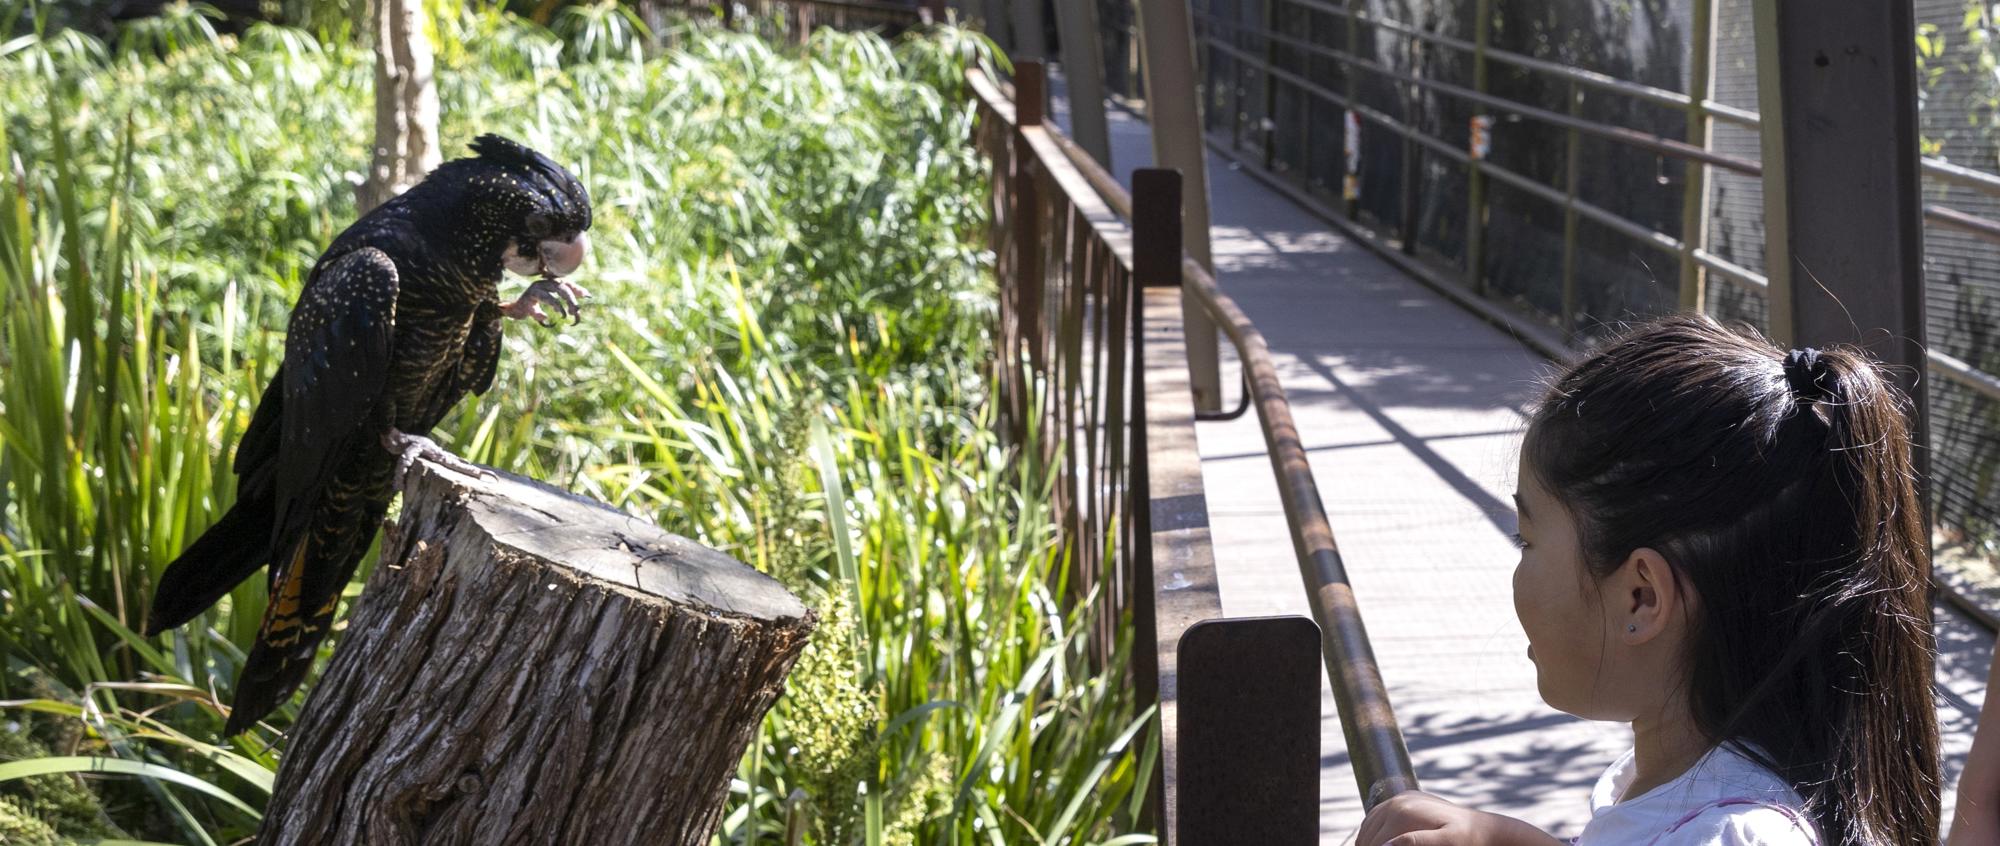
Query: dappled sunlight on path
(1411,410)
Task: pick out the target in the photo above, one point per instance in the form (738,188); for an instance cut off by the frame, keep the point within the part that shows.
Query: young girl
(1721,544)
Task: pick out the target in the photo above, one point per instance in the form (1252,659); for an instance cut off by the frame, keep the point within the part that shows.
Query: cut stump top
(607,545)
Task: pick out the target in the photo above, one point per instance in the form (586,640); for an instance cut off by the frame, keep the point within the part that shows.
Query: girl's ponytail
(1884,767)
(1780,487)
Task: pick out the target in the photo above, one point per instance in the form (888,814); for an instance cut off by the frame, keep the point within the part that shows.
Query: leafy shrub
(785,360)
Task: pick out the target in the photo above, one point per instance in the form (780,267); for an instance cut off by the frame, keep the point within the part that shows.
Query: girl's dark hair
(1779,486)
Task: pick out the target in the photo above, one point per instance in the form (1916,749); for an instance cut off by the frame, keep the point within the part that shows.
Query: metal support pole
(1413,99)
(1166,35)
(1572,172)
(1083,70)
(1029,94)
(1267,130)
(997,24)
(1475,179)
(1352,85)
(1249,732)
(1836,83)
(1030,42)
(1694,195)
(1156,251)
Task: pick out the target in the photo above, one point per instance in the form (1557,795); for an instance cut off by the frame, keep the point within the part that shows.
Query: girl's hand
(1420,819)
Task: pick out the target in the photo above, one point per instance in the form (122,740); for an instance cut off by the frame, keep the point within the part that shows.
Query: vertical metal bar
(1475,179)
(1118,464)
(1249,732)
(1157,243)
(1183,587)
(1694,195)
(1412,169)
(1572,171)
(1234,83)
(1029,95)
(1842,190)
(1352,85)
(1268,128)
(1083,70)
(1135,80)
(1306,99)
(1166,33)
(1096,427)
(1156,252)
(1030,42)
(997,24)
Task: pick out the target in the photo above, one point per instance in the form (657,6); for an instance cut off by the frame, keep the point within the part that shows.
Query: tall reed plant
(786,362)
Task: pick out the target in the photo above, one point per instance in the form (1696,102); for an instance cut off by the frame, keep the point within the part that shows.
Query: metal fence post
(1029,94)
(1029,39)
(1694,196)
(1350,177)
(1413,103)
(1475,180)
(1166,34)
(1157,233)
(1249,732)
(1156,257)
(1836,80)
(1083,70)
(997,23)
(1572,172)
(1268,129)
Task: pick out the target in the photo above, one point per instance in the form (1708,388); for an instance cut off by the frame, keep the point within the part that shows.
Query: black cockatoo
(398,320)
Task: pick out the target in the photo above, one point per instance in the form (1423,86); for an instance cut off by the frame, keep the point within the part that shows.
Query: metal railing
(1242,43)
(1093,373)
(1243,58)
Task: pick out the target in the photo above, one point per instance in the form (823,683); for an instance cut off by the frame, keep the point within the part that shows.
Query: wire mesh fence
(1578,116)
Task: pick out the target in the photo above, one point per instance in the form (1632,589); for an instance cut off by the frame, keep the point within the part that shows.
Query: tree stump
(529,666)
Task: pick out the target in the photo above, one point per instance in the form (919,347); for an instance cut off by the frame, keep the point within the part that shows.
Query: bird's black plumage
(399,319)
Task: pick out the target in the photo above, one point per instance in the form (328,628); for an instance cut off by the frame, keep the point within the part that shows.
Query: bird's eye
(538,225)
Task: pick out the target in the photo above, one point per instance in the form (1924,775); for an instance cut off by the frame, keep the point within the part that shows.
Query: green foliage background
(786,360)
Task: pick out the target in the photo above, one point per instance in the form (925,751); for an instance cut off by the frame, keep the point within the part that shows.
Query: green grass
(788,363)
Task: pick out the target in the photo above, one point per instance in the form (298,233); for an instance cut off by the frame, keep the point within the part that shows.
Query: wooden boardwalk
(1412,410)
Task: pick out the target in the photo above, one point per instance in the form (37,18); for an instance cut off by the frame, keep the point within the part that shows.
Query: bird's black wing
(337,354)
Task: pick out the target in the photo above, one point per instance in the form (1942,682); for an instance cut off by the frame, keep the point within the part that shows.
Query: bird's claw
(410,449)
(564,296)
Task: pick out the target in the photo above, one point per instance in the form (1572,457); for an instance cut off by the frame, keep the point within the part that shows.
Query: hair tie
(1804,370)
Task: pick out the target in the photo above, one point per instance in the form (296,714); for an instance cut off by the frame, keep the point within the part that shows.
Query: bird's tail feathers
(232,549)
(294,624)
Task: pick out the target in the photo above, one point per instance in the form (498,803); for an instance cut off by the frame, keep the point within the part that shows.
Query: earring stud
(1631,628)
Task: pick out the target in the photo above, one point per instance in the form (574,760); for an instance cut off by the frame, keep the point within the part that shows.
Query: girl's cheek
(1521,593)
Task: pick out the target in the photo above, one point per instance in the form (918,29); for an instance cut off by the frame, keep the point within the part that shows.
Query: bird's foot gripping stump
(528,666)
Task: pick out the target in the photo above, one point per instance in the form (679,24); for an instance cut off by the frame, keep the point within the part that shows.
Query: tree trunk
(406,103)
(528,666)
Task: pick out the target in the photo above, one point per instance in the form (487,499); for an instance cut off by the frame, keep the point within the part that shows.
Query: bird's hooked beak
(558,258)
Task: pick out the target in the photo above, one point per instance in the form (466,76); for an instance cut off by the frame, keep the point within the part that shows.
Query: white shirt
(1725,799)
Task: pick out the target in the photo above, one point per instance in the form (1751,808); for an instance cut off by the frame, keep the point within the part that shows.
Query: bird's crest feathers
(504,150)
(569,195)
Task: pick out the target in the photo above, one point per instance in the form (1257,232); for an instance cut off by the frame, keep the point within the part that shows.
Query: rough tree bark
(406,103)
(528,666)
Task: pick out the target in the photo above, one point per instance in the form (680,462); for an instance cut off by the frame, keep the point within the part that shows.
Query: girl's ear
(1644,597)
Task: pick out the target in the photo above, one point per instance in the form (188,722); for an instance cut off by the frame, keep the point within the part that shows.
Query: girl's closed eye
(1519,542)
